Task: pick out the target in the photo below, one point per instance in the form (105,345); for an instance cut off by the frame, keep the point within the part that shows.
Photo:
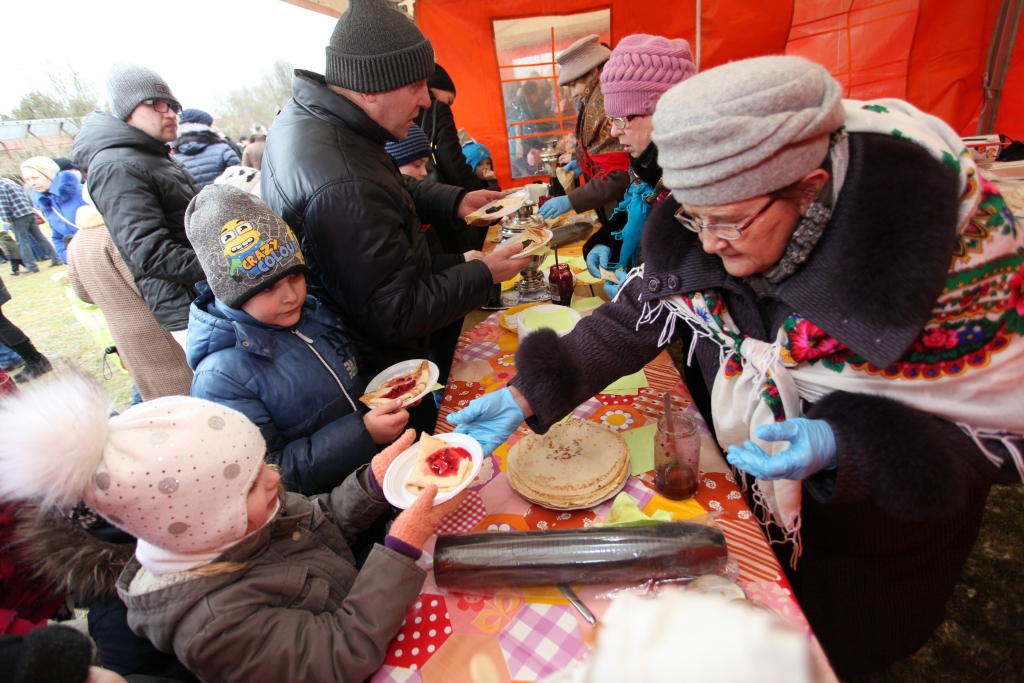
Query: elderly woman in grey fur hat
(851,292)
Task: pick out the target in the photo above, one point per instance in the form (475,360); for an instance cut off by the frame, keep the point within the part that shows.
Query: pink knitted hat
(641,68)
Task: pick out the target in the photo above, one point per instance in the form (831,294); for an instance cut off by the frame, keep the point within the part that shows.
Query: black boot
(36,364)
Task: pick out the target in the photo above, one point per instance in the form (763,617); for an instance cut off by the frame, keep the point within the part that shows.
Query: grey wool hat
(375,48)
(580,57)
(243,246)
(746,128)
(129,84)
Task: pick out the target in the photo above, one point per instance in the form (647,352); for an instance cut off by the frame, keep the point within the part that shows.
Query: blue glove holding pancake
(598,258)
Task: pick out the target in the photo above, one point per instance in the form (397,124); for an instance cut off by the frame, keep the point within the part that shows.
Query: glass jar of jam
(560,284)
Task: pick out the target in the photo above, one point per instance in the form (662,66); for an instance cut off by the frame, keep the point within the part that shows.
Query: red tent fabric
(929,52)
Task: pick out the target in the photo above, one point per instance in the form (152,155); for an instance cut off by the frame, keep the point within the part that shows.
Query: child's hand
(386,422)
(415,525)
(382,461)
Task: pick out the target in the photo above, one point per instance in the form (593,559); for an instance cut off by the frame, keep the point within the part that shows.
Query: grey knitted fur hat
(243,246)
(746,128)
(375,48)
(129,84)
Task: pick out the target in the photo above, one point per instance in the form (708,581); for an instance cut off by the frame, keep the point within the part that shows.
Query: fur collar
(65,187)
(882,259)
(70,558)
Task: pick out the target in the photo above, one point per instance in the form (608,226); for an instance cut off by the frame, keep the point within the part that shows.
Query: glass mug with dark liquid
(676,457)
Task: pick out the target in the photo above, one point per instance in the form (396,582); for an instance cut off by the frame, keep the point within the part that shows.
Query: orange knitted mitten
(415,525)
(382,461)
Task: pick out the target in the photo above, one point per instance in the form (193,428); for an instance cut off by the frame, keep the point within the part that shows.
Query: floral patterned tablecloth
(527,634)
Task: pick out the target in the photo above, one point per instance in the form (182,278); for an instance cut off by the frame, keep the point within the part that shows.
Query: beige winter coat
(99,276)
(298,612)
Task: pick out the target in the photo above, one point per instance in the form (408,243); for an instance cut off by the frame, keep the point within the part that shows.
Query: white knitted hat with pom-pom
(174,472)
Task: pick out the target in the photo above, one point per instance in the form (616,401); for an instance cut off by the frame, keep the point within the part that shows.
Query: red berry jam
(445,463)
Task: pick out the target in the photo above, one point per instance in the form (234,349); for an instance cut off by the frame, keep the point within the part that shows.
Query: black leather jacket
(358,220)
(142,193)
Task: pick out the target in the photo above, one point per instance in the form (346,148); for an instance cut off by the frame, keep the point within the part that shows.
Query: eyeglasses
(621,121)
(725,231)
(161,106)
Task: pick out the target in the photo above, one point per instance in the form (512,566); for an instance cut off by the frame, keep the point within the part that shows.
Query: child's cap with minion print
(243,246)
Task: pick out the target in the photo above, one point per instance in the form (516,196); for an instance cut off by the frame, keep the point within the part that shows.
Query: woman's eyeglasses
(161,106)
(621,121)
(725,231)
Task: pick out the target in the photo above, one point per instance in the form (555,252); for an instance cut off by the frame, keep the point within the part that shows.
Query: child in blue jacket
(260,345)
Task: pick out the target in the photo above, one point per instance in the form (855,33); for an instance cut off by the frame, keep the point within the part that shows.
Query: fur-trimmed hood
(70,558)
(65,187)
(193,138)
(874,277)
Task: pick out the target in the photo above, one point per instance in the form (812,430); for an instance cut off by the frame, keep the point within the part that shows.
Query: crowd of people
(232,525)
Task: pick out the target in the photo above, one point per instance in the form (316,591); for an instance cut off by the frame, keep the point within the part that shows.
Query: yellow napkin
(559,320)
(437,386)
(583,304)
(624,512)
(628,385)
(577,262)
(641,449)
(585,278)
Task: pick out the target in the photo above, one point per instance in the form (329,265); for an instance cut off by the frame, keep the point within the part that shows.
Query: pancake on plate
(403,386)
(574,465)
(440,463)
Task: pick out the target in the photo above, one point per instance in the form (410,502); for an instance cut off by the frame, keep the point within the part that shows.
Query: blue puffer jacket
(59,205)
(205,154)
(300,386)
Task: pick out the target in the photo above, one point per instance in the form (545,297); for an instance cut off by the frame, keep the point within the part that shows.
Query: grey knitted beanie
(375,48)
(243,246)
(746,128)
(129,84)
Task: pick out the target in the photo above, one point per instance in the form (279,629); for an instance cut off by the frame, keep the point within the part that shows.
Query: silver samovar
(532,286)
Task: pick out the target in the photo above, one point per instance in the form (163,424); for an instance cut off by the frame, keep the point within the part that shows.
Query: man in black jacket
(325,171)
(142,191)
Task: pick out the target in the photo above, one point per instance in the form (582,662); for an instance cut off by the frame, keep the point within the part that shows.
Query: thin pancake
(420,376)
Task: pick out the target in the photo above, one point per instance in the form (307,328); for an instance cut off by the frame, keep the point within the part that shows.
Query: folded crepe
(403,386)
(423,474)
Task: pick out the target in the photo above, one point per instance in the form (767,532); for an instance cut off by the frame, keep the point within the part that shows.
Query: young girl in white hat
(241,580)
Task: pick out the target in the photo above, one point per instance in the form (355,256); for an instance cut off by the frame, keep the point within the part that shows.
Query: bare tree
(69,96)
(240,109)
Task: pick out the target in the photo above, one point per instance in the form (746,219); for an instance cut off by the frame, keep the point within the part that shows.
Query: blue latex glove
(575,167)
(812,448)
(610,288)
(490,419)
(598,258)
(555,207)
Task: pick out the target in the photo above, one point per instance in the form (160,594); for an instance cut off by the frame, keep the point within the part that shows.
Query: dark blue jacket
(205,155)
(304,396)
(59,205)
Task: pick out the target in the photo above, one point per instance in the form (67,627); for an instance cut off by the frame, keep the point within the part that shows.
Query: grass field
(40,307)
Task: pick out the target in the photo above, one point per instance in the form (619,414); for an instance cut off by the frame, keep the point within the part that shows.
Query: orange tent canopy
(929,52)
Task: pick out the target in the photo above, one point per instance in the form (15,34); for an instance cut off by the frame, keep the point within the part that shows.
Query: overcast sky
(204,48)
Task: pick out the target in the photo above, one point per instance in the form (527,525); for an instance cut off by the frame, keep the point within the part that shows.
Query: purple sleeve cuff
(400,546)
(373,482)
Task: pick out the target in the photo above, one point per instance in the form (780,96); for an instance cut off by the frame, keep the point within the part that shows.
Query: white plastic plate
(401,468)
(400,369)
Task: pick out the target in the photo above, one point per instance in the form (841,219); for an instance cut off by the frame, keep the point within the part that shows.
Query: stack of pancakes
(574,465)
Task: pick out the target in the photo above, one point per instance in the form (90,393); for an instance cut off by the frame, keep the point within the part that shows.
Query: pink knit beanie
(641,68)
(174,472)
